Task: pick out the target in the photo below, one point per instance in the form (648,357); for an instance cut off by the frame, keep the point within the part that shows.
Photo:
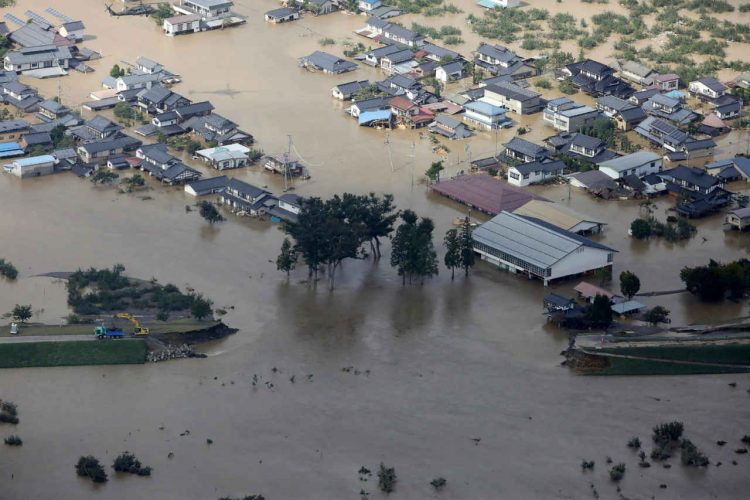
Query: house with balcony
(207,9)
(485,115)
(523,151)
(670,109)
(399,34)
(568,116)
(390,62)
(727,107)
(450,127)
(707,88)
(246,199)
(580,147)
(667,82)
(700,192)
(100,150)
(517,99)
(639,164)
(671,138)
(374,57)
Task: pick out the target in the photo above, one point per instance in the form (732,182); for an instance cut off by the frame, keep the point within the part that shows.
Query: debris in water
(170,455)
(476,441)
(732,384)
(209,441)
(721,443)
(291,379)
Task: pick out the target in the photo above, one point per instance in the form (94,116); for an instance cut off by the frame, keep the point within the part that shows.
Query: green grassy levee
(728,354)
(156,327)
(71,353)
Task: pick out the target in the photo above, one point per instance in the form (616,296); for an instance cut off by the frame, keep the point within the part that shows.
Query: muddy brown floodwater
(448,362)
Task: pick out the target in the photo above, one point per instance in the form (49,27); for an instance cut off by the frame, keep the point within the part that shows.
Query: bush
(543,83)
(386,478)
(691,455)
(667,433)
(634,443)
(617,472)
(656,315)
(438,483)
(13,440)
(567,88)
(8,270)
(640,229)
(126,462)
(90,467)
(8,412)
(327,41)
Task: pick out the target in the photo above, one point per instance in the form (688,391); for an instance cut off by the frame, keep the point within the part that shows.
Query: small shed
(555,302)
(589,292)
(627,307)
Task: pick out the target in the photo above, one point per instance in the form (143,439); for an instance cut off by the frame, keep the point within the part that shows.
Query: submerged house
(99,151)
(515,98)
(707,88)
(182,24)
(501,61)
(245,198)
(450,127)
(486,115)
(282,15)
(596,79)
(207,9)
(535,172)
(345,91)
(625,114)
(530,246)
(327,63)
(700,193)
(670,109)
(521,150)
(568,116)
(163,166)
(20,96)
(31,58)
(639,164)
(223,157)
(637,73)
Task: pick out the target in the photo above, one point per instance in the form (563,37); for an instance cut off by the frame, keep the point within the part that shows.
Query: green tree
(90,467)
(433,173)
(201,307)
(116,71)
(308,234)
(21,312)
(386,478)
(599,313)
(413,253)
(162,12)
(287,259)
(452,257)
(209,212)
(656,315)
(373,217)
(705,281)
(630,284)
(59,138)
(640,229)
(466,245)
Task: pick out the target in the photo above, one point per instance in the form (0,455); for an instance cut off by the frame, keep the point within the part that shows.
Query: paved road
(20,339)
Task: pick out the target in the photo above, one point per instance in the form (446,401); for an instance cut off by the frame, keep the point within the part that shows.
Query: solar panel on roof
(10,17)
(58,14)
(38,19)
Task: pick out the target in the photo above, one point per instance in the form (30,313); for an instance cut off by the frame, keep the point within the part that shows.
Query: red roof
(588,290)
(402,103)
(485,193)
(667,78)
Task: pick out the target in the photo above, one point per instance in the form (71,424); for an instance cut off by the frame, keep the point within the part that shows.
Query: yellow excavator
(138,330)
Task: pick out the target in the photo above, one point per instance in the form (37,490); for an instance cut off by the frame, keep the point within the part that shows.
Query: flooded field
(434,367)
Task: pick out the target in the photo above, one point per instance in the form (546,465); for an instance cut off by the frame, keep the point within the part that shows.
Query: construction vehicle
(14,328)
(103,332)
(138,330)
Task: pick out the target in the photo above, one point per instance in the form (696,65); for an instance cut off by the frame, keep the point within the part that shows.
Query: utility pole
(287,157)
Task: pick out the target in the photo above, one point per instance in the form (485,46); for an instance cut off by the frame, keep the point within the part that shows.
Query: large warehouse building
(539,249)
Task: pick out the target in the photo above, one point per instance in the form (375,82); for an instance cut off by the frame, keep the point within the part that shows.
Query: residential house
(639,164)
(319,7)
(20,96)
(739,218)
(52,110)
(693,179)
(640,97)
(182,24)
(288,207)
(100,127)
(99,151)
(713,125)
(223,157)
(653,185)
(282,15)
(667,82)
(399,34)
(203,187)
(700,193)
(203,108)
(345,91)
(732,169)
(625,114)
(450,127)
(503,62)
(328,63)
(372,104)
(538,249)
(159,99)
(13,129)
(392,61)
(207,9)
(30,58)
(670,109)
(373,57)
(375,25)
(368,6)
(662,133)
(451,71)
(707,88)
(148,66)
(727,107)
(742,80)
(36,141)
(560,216)
(581,147)
(535,172)
(593,181)
(35,166)
(486,115)
(215,127)
(637,73)
(386,12)
(245,198)
(163,166)
(596,79)
(284,164)
(137,81)
(73,30)
(515,98)
(438,54)
(118,162)
(568,116)
(521,150)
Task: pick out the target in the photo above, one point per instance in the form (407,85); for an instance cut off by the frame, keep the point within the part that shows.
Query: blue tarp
(367,117)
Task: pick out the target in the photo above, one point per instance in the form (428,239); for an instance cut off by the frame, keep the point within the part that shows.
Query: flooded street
(448,362)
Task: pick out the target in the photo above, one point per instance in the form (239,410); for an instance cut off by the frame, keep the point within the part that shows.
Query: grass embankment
(70,353)
(716,355)
(157,327)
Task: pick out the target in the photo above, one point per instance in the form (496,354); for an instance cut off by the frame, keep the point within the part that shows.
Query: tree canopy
(413,253)
(630,284)
(712,282)
(209,212)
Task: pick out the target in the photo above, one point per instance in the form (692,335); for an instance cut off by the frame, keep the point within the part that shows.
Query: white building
(182,24)
(535,172)
(222,157)
(640,164)
(567,116)
(368,5)
(32,167)
(708,87)
(538,249)
(493,4)
(207,9)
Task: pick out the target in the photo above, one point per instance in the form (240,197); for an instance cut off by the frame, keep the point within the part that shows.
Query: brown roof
(588,290)
(485,193)
(401,103)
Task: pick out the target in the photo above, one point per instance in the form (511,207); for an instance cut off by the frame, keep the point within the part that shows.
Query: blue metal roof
(8,146)
(370,116)
(34,160)
(485,108)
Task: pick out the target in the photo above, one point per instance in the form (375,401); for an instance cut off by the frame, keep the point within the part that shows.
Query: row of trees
(715,281)
(327,232)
